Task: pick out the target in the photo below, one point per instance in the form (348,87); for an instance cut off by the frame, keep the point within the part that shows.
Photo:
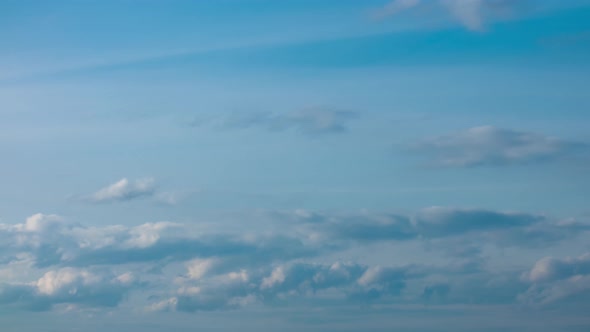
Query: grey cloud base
(492,146)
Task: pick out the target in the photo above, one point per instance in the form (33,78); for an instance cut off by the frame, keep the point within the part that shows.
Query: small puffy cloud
(198,268)
(146,235)
(492,146)
(311,121)
(124,190)
(41,222)
(379,281)
(277,277)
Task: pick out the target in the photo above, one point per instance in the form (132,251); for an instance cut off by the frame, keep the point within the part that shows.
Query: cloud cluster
(50,241)
(348,282)
(48,262)
(492,146)
(75,288)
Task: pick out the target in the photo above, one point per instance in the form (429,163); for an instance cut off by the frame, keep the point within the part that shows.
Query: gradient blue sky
(276,165)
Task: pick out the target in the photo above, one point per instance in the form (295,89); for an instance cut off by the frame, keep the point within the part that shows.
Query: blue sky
(331,165)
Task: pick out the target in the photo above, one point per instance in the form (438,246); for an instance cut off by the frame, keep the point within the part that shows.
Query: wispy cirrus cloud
(310,121)
(472,14)
(493,146)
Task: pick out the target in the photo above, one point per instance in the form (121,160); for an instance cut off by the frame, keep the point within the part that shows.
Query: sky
(289,165)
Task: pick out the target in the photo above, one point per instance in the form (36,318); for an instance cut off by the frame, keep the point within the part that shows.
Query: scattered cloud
(492,146)
(48,262)
(125,190)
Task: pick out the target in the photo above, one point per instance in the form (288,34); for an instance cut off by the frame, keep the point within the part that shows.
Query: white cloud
(47,261)
(54,281)
(277,277)
(125,190)
(148,234)
(198,268)
(40,222)
(68,286)
(551,269)
(555,280)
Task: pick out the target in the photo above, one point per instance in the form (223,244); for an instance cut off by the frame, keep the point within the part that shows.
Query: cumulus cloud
(472,14)
(492,146)
(350,282)
(557,279)
(552,269)
(47,261)
(125,190)
(73,244)
(68,286)
(311,121)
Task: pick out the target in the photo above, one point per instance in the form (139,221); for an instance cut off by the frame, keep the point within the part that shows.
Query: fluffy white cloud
(48,261)
(69,286)
(198,268)
(124,190)
(277,277)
